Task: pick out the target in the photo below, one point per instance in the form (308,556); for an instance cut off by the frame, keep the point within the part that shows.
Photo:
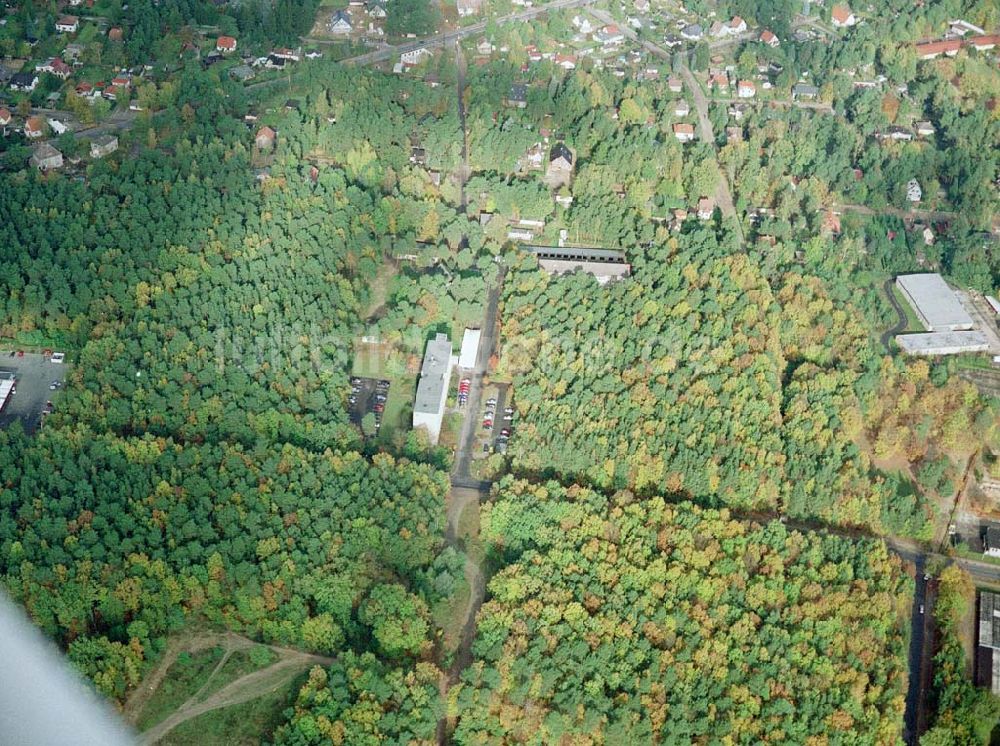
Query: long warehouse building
(432,388)
(8,381)
(942,343)
(935,303)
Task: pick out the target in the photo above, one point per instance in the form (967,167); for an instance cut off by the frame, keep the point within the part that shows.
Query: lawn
(383,361)
(240,725)
(912,322)
(183,680)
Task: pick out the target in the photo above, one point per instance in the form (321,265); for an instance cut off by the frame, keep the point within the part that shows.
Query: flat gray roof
(437,359)
(942,343)
(935,303)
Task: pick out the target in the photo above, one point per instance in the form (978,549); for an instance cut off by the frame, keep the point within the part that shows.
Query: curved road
(900,314)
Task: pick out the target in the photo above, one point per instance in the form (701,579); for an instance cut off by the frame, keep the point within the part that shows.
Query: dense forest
(200,469)
(697,376)
(616,619)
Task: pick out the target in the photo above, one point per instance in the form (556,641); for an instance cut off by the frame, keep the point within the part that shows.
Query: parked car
(505,432)
(355,381)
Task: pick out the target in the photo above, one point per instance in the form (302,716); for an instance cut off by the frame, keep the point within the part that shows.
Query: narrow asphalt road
(900,324)
(919,656)
(438,40)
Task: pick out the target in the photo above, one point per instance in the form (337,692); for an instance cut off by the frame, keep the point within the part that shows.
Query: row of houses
(46,157)
(950,47)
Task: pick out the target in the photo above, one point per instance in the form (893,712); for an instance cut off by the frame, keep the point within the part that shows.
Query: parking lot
(364,399)
(493,439)
(34,373)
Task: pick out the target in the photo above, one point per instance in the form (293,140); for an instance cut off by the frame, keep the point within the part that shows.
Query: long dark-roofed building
(988,654)
(604,264)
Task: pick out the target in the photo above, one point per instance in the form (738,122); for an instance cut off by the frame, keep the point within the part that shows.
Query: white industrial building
(935,304)
(942,343)
(470,349)
(432,388)
(7,383)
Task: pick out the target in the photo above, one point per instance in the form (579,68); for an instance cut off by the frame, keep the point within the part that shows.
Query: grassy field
(240,663)
(912,322)
(380,361)
(240,725)
(186,676)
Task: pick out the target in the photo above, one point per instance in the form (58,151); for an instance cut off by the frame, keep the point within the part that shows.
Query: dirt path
(187,644)
(246,688)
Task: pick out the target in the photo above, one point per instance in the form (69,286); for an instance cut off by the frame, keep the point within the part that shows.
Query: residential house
(720,81)
(991,546)
(895,132)
(377,9)
(44,157)
(734,134)
(34,127)
(641,6)
(925,129)
(288,55)
(609,35)
(517,96)
(242,73)
(484,47)
(804,91)
(842,17)
(769,38)
(583,24)
(735,27)
(468,7)
(738,111)
(103,145)
(706,206)
(5,117)
(560,167)
(340,23)
(418,156)
(682,108)
(265,138)
(913,191)
(984,43)
(68,24)
(534,157)
(56,126)
(72,53)
(693,32)
(26,82)
(675,85)
(565,61)
(684,131)
(115,33)
(55,66)
(746,89)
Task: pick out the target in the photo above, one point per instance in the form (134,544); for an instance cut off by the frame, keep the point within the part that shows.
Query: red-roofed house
(265,138)
(4,117)
(34,128)
(55,66)
(984,42)
(115,33)
(768,37)
(719,80)
(737,25)
(842,17)
(684,131)
(225,44)
(68,25)
(565,61)
(706,206)
(746,89)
